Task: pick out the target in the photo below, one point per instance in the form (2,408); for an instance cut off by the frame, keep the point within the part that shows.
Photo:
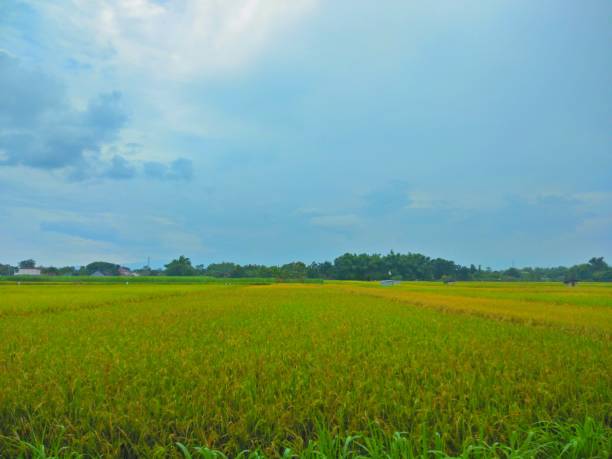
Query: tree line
(350,266)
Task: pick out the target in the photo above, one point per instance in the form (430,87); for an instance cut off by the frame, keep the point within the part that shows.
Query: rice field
(341,369)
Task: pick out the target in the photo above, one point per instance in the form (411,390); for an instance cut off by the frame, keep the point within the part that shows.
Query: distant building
(98,274)
(389,282)
(27,272)
(123,271)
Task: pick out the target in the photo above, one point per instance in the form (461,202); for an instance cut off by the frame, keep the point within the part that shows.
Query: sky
(268,131)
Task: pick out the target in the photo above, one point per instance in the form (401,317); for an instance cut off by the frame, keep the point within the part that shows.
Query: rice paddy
(341,369)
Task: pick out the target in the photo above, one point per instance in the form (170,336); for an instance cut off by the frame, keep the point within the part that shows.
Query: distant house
(27,272)
(389,282)
(123,271)
(98,274)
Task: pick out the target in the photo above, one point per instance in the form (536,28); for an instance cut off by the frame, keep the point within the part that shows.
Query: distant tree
(255,271)
(225,269)
(570,277)
(66,271)
(325,270)
(50,271)
(295,270)
(441,267)
(352,266)
(463,273)
(313,271)
(344,266)
(6,270)
(512,273)
(27,264)
(598,264)
(603,276)
(106,268)
(180,267)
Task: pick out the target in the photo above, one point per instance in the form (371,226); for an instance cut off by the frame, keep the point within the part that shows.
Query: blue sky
(266,131)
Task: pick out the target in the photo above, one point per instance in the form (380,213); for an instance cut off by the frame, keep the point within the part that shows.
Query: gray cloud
(26,95)
(120,168)
(179,169)
(40,129)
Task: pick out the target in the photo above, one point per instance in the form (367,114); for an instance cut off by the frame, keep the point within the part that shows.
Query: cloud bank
(41,128)
(269,131)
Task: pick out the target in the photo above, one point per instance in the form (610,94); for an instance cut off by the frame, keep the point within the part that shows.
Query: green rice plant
(544,440)
(299,370)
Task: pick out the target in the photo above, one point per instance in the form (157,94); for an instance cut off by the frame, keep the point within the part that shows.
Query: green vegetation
(411,266)
(344,369)
(132,280)
(148,280)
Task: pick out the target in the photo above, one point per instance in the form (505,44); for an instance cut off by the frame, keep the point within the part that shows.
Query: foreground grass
(327,370)
(543,440)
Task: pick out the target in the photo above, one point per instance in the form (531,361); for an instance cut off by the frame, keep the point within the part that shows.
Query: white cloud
(176,39)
